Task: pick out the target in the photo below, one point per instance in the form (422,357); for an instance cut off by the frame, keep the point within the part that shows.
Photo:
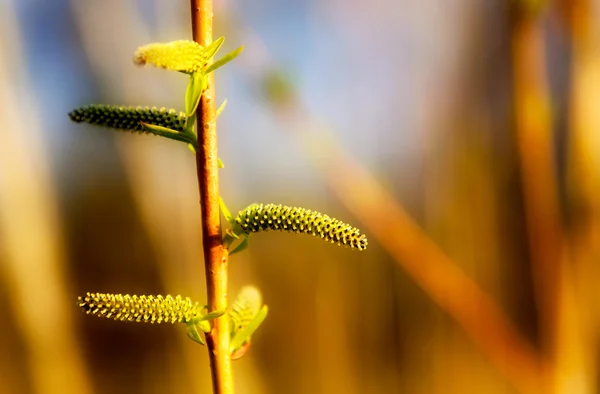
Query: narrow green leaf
(232,234)
(190,123)
(244,335)
(221,108)
(170,133)
(208,316)
(191,147)
(229,238)
(202,321)
(220,163)
(188,95)
(241,246)
(212,49)
(158,129)
(192,332)
(224,60)
(214,314)
(193,92)
(226,212)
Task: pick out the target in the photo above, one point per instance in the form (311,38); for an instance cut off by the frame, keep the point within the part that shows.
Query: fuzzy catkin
(144,308)
(264,217)
(128,118)
(184,56)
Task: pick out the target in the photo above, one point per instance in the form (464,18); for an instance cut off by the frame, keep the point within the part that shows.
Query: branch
(215,256)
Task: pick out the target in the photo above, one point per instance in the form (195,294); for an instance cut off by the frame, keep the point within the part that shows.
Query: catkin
(184,56)
(128,118)
(144,308)
(264,217)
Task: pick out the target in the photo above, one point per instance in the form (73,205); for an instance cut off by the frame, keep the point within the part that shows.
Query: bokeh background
(462,136)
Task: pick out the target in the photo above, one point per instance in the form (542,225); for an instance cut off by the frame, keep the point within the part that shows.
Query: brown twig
(215,256)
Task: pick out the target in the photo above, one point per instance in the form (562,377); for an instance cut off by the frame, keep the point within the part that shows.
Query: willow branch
(215,256)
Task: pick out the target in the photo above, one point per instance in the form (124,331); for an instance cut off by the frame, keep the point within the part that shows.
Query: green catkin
(245,307)
(184,56)
(128,118)
(144,308)
(264,217)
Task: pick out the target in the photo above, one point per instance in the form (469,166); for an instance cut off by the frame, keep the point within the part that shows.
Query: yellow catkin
(143,308)
(184,56)
(264,217)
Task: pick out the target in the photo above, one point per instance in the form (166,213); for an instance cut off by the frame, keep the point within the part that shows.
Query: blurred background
(461,136)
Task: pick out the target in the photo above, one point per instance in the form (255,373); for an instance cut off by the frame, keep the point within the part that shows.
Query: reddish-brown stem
(215,256)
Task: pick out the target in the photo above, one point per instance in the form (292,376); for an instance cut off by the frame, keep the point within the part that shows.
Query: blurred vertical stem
(534,134)
(215,256)
(580,325)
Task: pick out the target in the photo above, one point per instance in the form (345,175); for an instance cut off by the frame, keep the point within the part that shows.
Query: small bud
(259,217)
(144,308)
(184,56)
(241,352)
(245,314)
(245,307)
(129,118)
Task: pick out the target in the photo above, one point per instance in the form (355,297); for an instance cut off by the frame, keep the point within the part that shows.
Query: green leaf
(244,335)
(221,108)
(224,60)
(170,133)
(220,163)
(192,332)
(193,92)
(208,316)
(190,123)
(228,216)
(202,321)
(232,234)
(158,129)
(241,246)
(212,49)
(214,314)
(229,238)
(204,326)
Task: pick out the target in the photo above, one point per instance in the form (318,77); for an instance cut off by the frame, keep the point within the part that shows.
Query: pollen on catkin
(245,307)
(143,308)
(184,56)
(128,118)
(264,217)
